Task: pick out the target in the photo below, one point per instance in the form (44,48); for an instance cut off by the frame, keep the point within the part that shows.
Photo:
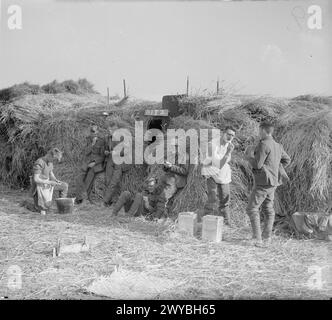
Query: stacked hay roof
(32,122)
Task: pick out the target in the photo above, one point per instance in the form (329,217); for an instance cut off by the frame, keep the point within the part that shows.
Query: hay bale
(308,142)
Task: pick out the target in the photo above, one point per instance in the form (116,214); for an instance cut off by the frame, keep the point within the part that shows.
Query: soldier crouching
(148,203)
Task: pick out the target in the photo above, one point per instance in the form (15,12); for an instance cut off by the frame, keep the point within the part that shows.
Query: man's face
(262,133)
(111,129)
(151,186)
(94,131)
(229,135)
(57,157)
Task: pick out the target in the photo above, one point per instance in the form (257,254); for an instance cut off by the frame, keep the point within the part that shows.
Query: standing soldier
(43,181)
(217,171)
(93,164)
(268,155)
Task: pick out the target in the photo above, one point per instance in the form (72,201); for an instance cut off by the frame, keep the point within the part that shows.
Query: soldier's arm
(261,153)
(88,146)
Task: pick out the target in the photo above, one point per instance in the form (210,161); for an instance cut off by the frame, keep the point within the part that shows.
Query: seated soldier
(92,165)
(44,182)
(174,179)
(145,203)
(314,225)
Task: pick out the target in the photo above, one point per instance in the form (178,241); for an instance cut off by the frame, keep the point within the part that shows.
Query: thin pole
(124,88)
(218,86)
(188,85)
(108,96)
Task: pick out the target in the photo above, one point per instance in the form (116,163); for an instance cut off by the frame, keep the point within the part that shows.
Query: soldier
(44,182)
(268,156)
(173,180)
(217,171)
(109,146)
(114,171)
(93,164)
(145,203)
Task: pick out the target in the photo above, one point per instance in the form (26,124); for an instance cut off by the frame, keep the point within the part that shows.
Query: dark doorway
(155,124)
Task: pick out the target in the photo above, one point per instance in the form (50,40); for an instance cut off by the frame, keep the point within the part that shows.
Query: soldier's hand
(230,147)
(167,164)
(91,164)
(94,140)
(107,153)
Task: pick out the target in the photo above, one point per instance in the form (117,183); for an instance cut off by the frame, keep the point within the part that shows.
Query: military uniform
(174,179)
(268,156)
(135,206)
(93,153)
(113,172)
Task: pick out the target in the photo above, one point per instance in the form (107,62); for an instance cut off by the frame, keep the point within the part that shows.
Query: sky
(253,47)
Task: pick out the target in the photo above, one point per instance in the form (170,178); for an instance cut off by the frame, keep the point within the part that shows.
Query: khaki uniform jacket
(178,171)
(95,153)
(268,157)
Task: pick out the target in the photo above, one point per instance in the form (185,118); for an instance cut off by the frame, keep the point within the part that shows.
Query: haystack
(308,141)
(31,124)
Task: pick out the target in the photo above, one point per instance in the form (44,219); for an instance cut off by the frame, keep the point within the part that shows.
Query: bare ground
(232,269)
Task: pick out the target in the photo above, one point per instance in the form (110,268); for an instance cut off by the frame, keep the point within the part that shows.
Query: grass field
(232,269)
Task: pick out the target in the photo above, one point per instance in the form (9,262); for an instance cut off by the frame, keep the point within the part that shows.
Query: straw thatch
(31,124)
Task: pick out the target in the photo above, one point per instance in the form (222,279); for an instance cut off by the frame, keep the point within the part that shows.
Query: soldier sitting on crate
(147,203)
(44,182)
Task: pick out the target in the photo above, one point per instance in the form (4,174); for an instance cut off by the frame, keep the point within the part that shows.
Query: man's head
(54,155)
(112,126)
(266,129)
(229,134)
(94,130)
(151,184)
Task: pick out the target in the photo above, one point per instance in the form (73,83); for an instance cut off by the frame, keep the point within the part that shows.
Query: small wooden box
(212,228)
(187,222)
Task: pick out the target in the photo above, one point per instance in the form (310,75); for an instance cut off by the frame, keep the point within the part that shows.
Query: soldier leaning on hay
(93,164)
(44,182)
(147,203)
(268,175)
(113,171)
(218,175)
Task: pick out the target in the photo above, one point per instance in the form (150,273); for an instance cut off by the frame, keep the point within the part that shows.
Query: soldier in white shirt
(217,171)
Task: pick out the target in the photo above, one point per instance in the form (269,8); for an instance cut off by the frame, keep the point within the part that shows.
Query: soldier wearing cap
(93,164)
(145,203)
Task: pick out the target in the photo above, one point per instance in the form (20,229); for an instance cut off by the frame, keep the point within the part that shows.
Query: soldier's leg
(124,199)
(109,171)
(89,180)
(136,206)
(268,209)
(62,188)
(114,184)
(224,199)
(210,205)
(256,198)
(81,188)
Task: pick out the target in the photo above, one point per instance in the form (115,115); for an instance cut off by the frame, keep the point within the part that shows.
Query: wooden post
(108,96)
(187,85)
(124,89)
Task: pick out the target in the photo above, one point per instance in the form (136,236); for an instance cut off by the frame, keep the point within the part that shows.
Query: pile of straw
(32,124)
(308,141)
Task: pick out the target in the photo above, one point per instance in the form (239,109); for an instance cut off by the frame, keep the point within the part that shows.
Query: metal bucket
(65,205)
